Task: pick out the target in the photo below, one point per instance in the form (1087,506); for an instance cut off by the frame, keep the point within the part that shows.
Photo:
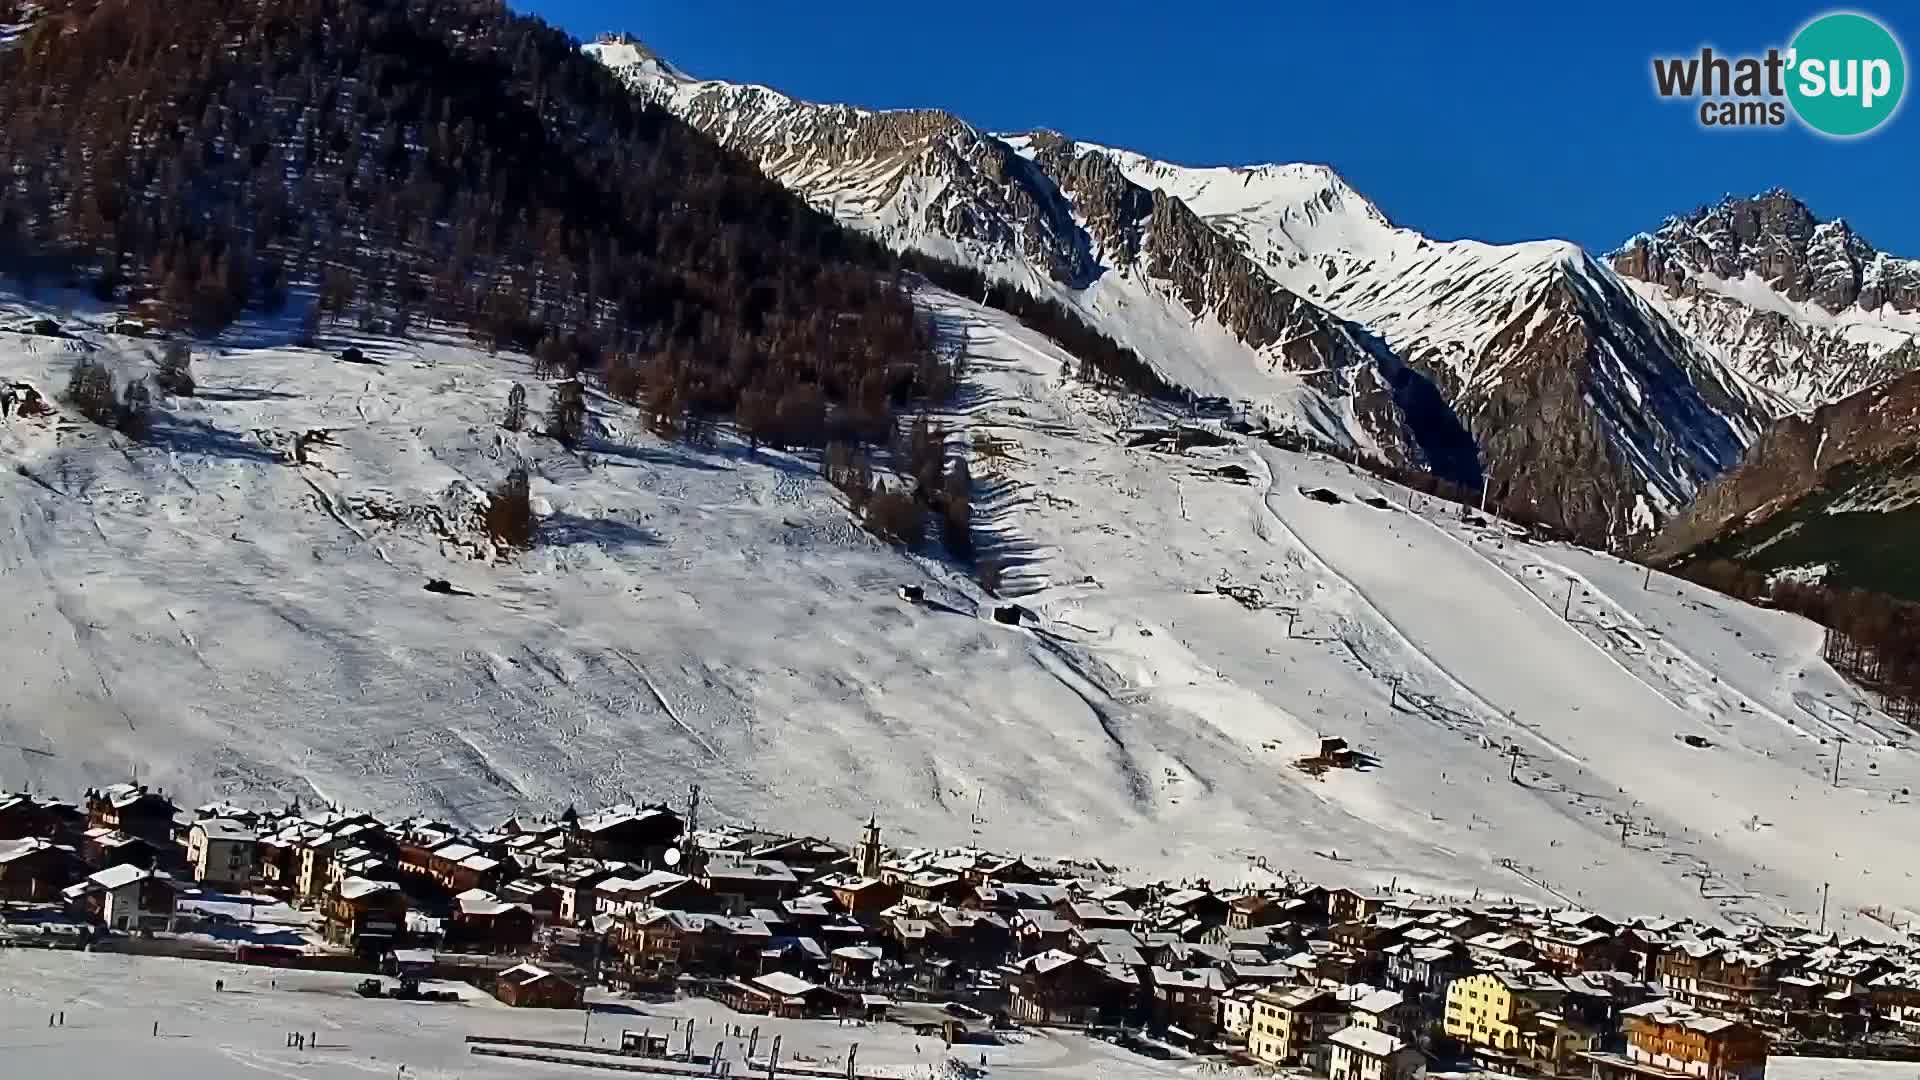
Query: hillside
(1280,287)
(440,163)
(1833,496)
(235,624)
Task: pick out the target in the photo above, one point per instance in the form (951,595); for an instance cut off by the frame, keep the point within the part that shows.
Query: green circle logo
(1848,73)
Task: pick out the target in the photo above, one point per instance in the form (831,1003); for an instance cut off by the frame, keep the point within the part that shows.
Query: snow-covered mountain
(1282,286)
(1806,308)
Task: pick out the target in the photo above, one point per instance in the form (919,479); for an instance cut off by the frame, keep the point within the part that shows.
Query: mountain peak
(1777,238)
(621,51)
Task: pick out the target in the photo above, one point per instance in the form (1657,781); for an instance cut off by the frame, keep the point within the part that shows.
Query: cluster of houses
(1350,984)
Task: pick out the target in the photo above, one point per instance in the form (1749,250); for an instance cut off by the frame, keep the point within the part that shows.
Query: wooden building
(528,986)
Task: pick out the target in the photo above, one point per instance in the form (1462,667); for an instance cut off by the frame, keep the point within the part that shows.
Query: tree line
(398,163)
(1871,637)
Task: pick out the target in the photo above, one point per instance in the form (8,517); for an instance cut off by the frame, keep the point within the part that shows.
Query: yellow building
(1496,1010)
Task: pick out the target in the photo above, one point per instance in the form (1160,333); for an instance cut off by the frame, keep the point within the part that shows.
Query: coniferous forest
(449,163)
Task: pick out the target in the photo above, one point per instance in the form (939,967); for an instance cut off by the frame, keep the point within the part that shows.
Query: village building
(1364,1053)
(1187,1002)
(1667,1040)
(134,810)
(1236,1014)
(1495,1010)
(36,869)
(780,994)
(1291,1027)
(738,885)
(1057,987)
(1726,980)
(221,851)
(482,922)
(369,917)
(529,986)
(128,898)
(633,834)
(104,846)
(1390,1011)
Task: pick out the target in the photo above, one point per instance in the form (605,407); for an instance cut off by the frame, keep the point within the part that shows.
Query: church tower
(871,852)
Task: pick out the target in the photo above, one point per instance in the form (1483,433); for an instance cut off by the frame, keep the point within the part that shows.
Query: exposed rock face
(1532,360)
(1795,458)
(1803,308)
(1774,236)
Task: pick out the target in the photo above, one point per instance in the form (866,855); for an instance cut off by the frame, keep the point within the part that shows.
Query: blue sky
(1493,121)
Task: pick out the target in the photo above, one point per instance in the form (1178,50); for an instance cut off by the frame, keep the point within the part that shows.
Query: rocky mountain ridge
(1598,393)
(1805,308)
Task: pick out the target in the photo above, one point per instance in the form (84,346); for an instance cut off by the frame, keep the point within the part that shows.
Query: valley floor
(231,625)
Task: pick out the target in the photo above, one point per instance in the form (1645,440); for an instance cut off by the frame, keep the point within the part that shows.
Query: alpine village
(959,944)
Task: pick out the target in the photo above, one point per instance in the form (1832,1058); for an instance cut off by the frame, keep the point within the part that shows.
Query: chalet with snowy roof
(366,916)
(1727,980)
(1188,999)
(482,922)
(1572,948)
(854,964)
(1257,910)
(1494,949)
(35,869)
(1040,930)
(133,809)
(1204,907)
(575,880)
(221,851)
(1056,987)
(1350,905)
(669,942)
(780,994)
(1392,1012)
(103,847)
(1364,1053)
(127,897)
(1666,1040)
(738,884)
(622,895)
(538,896)
(634,834)
(806,856)
(1104,914)
(23,816)
(531,986)
(936,887)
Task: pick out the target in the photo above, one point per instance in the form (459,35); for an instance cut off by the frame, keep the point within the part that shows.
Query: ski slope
(232,625)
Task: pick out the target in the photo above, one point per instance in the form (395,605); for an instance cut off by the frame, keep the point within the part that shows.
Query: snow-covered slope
(1542,352)
(237,626)
(1282,286)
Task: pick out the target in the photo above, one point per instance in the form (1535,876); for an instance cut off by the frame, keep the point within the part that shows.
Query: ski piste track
(243,628)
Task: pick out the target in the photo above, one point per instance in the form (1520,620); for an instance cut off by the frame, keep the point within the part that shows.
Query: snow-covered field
(239,1033)
(233,626)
